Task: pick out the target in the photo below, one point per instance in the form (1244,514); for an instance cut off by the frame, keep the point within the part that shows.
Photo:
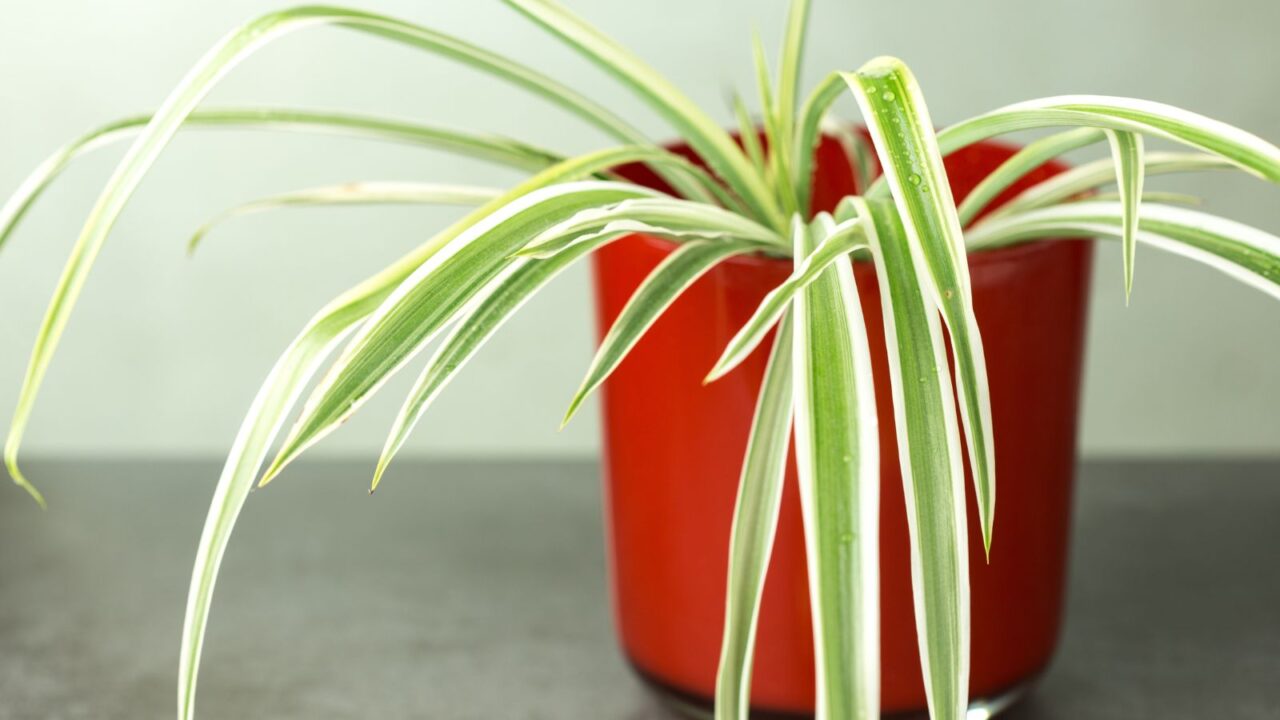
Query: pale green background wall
(165,353)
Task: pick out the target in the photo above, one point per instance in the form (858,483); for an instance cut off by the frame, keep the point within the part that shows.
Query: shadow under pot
(674,447)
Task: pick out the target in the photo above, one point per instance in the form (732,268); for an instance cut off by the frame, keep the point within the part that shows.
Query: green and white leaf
(655,215)
(749,134)
(662,287)
(755,523)
(283,387)
(1077,181)
(860,154)
(1126,151)
(703,134)
(790,63)
(485,147)
(777,172)
(1029,158)
(844,239)
(1155,196)
(931,461)
(838,462)
(215,64)
(1245,253)
(812,116)
(429,299)
(893,108)
(508,293)
(1243,149)
(355,193)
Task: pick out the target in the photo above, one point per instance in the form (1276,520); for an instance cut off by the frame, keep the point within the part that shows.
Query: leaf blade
(428,299)
(182,100)
(755,522)
(1247,254)
(911,160)
(1084,178)
(354,193)
(706,137)
(1126,150)
(1030,157)
(659,214)
(837,458)
(843,240)
(660,288)
(931,461)
(1243,149)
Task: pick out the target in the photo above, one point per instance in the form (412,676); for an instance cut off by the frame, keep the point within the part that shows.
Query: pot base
(695,707)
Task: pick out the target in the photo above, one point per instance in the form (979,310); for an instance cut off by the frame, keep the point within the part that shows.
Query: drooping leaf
(662,287)
(182,100)
(893,108)
(1126,151)
(429,299)
(1245,253)
(931,461)
(485,147)
(292,373)
(280,390)
(755,523)
(355,193)
(838,463)
(1245,150)
(506,295)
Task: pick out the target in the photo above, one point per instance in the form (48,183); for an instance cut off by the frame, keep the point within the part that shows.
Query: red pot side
(674,448)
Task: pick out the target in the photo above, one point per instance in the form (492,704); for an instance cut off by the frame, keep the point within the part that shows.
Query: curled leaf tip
(21,481)
(31,490)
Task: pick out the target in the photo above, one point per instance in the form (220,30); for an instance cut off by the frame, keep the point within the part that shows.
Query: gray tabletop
(477,591)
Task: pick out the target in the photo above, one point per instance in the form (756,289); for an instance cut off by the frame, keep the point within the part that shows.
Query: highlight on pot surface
(863,331)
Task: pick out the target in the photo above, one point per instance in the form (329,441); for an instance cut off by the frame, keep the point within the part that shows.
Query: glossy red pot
(673,450)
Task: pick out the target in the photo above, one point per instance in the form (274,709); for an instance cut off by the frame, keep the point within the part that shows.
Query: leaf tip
(11,463)
(986,537)
(194,242)
(383,462)
(573,409)
(271,473)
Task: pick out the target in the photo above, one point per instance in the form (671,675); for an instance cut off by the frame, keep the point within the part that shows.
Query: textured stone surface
(477,590)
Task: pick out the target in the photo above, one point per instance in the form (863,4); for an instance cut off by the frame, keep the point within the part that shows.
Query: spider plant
(460,285)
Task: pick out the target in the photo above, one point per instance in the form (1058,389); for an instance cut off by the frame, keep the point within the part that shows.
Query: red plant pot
(673,451)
